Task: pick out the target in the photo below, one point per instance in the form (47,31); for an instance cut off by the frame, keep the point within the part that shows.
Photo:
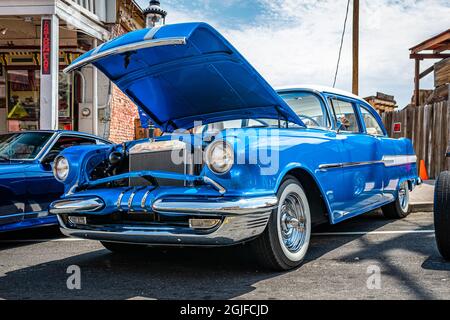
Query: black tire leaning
(395,210)
(268,248)
(442,214)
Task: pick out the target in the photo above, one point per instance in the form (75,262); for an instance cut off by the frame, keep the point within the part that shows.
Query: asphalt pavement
(368,257)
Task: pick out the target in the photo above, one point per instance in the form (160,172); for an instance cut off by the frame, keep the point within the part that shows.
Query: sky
(297,41)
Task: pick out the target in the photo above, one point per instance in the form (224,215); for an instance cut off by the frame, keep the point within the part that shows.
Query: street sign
(46,46)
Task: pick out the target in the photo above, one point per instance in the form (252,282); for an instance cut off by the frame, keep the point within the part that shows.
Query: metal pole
(94,96)
(355,47)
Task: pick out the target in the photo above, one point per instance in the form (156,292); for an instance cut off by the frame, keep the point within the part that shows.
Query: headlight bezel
(212,163)
(56,163)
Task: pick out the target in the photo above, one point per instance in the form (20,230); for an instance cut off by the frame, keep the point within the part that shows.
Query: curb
(422,207)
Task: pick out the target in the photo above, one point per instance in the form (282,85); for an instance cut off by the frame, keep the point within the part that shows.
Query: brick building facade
(123,111)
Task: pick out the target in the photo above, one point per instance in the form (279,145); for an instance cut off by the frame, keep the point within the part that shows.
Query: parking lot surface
(368,257)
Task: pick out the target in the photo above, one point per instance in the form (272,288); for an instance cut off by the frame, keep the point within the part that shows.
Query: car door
(12,192)
(42,187)
(361,153)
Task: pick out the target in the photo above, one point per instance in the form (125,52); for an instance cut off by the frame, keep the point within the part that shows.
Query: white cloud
(301,45)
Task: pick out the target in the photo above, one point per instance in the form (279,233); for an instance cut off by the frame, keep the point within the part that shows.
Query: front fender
(82,160)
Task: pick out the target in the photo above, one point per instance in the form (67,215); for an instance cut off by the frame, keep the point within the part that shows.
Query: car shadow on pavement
(193,273)
(19,238)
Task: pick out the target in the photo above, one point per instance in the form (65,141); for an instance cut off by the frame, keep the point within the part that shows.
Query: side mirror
(49,157)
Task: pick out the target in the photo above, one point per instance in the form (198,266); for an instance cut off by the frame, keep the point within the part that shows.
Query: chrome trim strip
(388,161)
(219,206)
(151,33)
(144,200)
(347,164)
(393,161)
(119,199)
(126,48)
(132,196)
(76,206)
(216,185)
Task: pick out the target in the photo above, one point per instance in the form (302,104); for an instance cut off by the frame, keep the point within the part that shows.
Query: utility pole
(355,47)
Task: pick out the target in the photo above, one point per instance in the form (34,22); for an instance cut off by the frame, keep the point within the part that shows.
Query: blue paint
(208,80)
(27,187)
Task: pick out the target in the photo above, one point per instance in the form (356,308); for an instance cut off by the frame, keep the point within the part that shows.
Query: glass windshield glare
(22,146)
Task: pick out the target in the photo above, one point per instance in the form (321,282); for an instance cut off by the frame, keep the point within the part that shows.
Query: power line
(342,43)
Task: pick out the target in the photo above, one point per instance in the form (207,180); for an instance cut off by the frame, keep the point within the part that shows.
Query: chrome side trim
(76,206)
(347,164)
(219,206)
(393,161)
(388,161)
(126,48)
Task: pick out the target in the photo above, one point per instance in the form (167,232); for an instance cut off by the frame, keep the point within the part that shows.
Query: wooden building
(382,102)
(436,47)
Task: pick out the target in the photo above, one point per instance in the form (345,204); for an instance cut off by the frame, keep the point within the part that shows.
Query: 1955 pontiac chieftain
(239,161)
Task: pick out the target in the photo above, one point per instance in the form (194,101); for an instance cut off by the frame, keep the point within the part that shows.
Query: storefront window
(65,101)
(23,99)
(2,100)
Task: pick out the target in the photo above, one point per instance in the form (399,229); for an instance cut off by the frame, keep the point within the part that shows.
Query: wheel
(442,214)
(400,208)
(284,243)
(122,247)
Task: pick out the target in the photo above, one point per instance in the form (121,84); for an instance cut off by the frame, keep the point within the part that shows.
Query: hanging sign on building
(46,46)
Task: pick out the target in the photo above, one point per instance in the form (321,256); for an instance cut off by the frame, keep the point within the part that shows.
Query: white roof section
(319,88)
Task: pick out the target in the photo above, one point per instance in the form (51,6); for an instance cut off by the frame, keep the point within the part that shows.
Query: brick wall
(123,111)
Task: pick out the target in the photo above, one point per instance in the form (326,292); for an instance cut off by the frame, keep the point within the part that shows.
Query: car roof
(319,88)
(64,132)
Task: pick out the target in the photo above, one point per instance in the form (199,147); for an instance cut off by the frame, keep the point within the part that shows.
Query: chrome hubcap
(293,223)
(403,196)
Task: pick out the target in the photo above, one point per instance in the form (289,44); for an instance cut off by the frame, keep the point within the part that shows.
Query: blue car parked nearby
(27,183)
(239,161)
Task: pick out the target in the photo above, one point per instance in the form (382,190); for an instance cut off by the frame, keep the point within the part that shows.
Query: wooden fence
(429,128)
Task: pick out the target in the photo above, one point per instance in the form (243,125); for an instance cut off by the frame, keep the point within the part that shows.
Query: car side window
(346,118)
(65,142)
(371,123)
(309,107)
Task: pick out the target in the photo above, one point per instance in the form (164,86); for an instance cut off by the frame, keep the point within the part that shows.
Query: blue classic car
(27,183)
(239,161)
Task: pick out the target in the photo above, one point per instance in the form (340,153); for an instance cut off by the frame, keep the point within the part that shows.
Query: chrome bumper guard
(241,219)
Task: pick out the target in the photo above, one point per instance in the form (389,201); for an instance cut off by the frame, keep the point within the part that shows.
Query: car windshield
(22,146)
(309,107)
(238,124)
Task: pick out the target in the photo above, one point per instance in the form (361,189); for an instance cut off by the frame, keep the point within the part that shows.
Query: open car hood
(185,73)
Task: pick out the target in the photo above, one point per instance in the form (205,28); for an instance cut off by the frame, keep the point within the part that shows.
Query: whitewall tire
(285,242)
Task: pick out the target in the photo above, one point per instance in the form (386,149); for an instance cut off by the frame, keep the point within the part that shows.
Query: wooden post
(417,83)
(356,47)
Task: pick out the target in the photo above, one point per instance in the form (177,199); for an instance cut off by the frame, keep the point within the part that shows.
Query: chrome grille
(157,156)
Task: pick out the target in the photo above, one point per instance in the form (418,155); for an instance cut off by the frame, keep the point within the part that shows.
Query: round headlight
(61,168)
(220,157)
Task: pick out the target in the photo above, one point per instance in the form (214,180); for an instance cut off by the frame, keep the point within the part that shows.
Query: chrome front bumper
(241,219)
